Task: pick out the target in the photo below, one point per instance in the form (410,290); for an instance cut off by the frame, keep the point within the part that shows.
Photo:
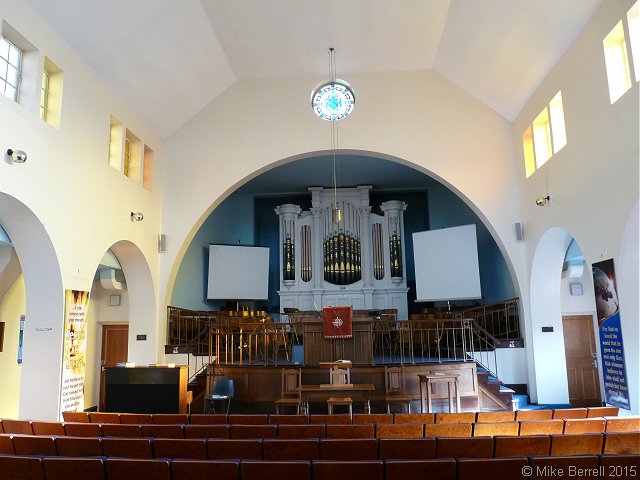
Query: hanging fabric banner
(337,322)
(611,345)
(75,350)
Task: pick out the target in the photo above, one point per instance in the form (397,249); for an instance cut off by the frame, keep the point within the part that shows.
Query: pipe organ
(340,253)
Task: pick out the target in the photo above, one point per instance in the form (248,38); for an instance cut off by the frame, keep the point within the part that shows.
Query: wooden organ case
(358,260)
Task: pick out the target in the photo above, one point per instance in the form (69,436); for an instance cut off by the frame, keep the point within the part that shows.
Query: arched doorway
(558,264)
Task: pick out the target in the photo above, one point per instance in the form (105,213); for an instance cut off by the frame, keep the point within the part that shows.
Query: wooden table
(328,390)
(428,382)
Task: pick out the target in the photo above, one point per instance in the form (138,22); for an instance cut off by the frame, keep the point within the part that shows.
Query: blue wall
(253,221)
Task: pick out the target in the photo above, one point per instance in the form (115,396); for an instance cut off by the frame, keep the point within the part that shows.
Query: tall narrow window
(10,65)
(617,62)
(556,113)
(529,155)
(633,20)
(542,138)
(51,93)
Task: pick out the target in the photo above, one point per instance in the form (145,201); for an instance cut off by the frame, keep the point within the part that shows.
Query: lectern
(157,389)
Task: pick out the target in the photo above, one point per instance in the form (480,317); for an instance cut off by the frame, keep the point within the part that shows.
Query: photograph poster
(611,345)
(75,350)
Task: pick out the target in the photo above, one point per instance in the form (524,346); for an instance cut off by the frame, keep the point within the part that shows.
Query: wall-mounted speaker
(162,243)
(519,232)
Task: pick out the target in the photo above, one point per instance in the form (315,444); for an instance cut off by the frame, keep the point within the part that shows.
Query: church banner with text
(611,345)
(75,350)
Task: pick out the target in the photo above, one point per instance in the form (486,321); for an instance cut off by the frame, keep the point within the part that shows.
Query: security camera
(17,156)
(136,216)
(542,201)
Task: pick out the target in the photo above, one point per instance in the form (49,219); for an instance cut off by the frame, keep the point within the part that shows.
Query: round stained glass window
(333,100)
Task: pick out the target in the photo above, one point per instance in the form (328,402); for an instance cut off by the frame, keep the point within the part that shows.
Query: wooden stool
(340,401)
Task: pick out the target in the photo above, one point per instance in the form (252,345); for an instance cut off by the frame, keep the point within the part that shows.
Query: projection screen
(238,273)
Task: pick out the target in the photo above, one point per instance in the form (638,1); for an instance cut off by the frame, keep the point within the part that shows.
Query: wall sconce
(136,216)
(17,156)
(542,201)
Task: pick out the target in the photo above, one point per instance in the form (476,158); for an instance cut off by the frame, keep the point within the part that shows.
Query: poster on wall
(75,350)
(611,345)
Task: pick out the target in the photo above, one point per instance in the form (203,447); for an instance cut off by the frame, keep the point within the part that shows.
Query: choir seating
(103,417)
(83,429)
(17,426)
(79,446)
(288,419)
(414,418)
(570,413)
(47,428)
(136,418)
(138,469)
(541,427)
(534,414)
(302,431)
(622,424)
(448,430)
(208,419)
(170,418)
(466,417)
(206,431)
(15,466)
(34,445)
(622,443)
(121,430)
(364,430)
(495,428)
(494,417)
(253,431)
(6,444)
(175,448)
(127,447)
(602,412)
(333,419)
(584,425)
(162,431)
(359,418)
(576,444)
(76,417)
(403,430)
(245,449)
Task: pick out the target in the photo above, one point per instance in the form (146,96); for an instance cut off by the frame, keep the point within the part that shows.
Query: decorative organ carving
(350,257)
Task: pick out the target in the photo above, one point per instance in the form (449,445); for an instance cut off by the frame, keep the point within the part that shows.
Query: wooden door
(115,348)
(580,353)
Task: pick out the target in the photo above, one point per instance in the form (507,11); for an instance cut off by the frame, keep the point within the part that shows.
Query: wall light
(542,201)
(17,156)
(136,216)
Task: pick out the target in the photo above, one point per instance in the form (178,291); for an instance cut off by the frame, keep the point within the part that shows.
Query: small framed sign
(114,300)
(575,289)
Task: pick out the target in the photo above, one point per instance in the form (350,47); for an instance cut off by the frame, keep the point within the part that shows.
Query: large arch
(42,352)
(202,218)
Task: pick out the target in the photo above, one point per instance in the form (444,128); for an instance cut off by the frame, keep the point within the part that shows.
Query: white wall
(12,305)
(78,201)
(428,124)
(593,185)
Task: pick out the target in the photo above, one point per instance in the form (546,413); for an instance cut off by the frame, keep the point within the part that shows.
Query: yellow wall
(12,306)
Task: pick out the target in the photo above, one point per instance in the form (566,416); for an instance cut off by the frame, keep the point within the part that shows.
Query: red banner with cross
(338,322)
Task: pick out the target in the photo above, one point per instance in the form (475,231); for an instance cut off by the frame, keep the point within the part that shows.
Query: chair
(206,431)
(75,417)
(222,390)
(622,443)
(47,428)
(291,449)
(531,445)
(12,467)
(400,430)
(576,444)
(170,418)
(602,412)
(534,414)
(162,431)
(495,417)
(441,468)
(56,468)
(448,429)
(336,419)
(336,469)
(275,470)
(136,418)
(348,449)
(406,448)
(491,468)
(127,447)
(290,389)
(211,419)
(584,425)
(302,431)
(467,417)
(376,418)
(182,469)
(622,424)
(289,419)
(21,427)
(140,469)
(414,418)
(395,388)
(83,429)
(79,446)
(6,445)
(245,449)
(492,429)
(253,431)
(180,448)
(344,401)
(249,419)
(570,413)
(541,427)
(472,447)
(120,430)
(103,417)
(363,430)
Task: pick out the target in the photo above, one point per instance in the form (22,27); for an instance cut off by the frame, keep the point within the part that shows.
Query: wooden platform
(257,387)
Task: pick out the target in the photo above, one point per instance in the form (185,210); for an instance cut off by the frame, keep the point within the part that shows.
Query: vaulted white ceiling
(170,58)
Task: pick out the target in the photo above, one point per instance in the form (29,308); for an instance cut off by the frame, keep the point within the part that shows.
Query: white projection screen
(238,273)
(446,264)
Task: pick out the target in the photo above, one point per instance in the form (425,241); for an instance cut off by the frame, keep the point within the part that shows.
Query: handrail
(228,340)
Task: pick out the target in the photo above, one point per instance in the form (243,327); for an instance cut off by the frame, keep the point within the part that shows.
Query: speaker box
(162,243)
(519,232)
